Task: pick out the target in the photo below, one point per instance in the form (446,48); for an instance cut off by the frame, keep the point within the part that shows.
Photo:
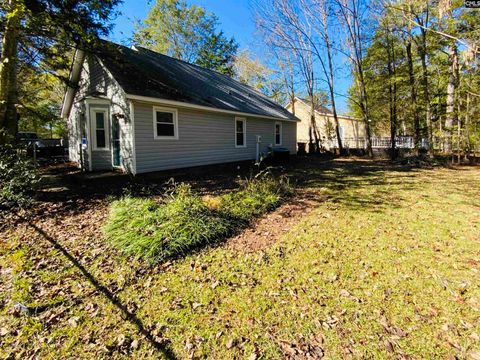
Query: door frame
(113,142)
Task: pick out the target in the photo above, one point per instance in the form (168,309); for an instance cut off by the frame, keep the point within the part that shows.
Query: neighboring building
(352,131)
(140,111)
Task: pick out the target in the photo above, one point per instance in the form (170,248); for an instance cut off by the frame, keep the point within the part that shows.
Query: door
(116,142)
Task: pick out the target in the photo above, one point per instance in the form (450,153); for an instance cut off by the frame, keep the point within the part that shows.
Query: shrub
(18,178)
(157,231)
(256,197)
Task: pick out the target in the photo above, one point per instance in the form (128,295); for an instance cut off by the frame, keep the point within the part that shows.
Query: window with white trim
(278,133)
(340,131)
(100,129)
(165,123)
(240,132)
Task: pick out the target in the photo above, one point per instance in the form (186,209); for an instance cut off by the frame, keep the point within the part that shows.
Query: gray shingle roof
(319,108)
(144,72)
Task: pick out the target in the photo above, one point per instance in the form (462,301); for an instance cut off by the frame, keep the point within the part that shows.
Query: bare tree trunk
(452,83)
(393,97)
(467,124)
(8,73)
(426,94)
(459,133)
(413,95)
(364,107)
(328,45)
(313,125)
(350,12)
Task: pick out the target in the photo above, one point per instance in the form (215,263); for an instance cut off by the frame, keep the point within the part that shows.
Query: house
(352,131)
(140,111)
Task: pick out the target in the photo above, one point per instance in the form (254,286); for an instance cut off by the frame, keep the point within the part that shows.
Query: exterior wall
(98,89)
(353,130)
(203,138)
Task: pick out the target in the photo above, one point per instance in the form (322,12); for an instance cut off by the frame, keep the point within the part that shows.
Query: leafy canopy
(187,33)
(47,33)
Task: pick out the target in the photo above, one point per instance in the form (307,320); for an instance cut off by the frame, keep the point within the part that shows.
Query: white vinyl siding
(205,138)
(96,80)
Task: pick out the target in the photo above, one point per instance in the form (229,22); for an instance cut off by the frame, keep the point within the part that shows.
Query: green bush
(256,197)
(18,178)
(143,227)
(157,231)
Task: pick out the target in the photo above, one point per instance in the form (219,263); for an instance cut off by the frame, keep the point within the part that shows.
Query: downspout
(75,73)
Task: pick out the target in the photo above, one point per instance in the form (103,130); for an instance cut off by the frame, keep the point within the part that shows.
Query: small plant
(157,231)
(18,178)
(256,197)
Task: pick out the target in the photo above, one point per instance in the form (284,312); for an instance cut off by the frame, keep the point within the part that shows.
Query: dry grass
(386,267)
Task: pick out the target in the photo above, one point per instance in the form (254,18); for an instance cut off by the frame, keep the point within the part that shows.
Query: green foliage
(38,43)
(41,97)
(188,33)
(257,196)
(158,231)
(218,53)
(18,178)
(389,48)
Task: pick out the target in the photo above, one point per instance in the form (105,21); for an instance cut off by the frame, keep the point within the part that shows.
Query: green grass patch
(158,231)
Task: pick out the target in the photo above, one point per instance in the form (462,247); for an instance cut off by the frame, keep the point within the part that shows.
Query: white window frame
(244,121)
(106,124)
(174,113)
(275,133)
(341,130)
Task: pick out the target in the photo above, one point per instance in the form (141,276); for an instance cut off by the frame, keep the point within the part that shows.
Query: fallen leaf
(474,355)
(230,343)
(389,346)
(134,344)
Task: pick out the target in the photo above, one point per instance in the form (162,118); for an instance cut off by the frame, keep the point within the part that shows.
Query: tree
(217,54)
(318,13)
(444,63)
(8,71)
(252,72)
(287,30)
(353,14)
(188,33)
(40,34)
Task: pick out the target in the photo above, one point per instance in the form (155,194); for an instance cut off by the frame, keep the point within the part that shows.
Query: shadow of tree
(162,347)
(360,185)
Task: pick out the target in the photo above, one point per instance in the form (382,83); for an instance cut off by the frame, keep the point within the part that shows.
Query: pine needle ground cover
(386,266)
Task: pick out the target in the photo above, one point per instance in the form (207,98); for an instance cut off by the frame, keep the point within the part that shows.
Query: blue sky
(236,19)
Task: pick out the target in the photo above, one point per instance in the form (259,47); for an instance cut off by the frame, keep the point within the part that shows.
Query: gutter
(205,108)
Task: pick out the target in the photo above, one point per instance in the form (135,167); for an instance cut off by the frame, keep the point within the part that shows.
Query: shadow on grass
(358,185)
(131,317)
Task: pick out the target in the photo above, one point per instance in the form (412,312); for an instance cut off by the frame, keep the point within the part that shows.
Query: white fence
(401,142)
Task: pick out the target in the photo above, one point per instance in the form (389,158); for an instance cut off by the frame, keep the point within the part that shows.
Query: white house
(140,111)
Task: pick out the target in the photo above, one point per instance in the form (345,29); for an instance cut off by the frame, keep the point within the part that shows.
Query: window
(100,133)
(240,132)
(278,133)
(165,123)
(340,131)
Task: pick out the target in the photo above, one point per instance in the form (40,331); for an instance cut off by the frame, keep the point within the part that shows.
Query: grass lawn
(386,265)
